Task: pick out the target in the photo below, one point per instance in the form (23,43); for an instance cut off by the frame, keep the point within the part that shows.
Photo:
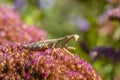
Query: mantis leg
(53,47)
(68,51)
(70,48)
(44,43)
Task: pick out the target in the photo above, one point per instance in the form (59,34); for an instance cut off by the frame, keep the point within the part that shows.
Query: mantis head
(75,37)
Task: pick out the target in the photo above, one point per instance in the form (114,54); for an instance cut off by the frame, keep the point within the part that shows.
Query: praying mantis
(45,44)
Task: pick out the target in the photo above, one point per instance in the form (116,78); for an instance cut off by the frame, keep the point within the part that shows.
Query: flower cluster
(105,52)
(113,10)
(13,29)
(16,63)
(80,22)
(114,14)
(108,53)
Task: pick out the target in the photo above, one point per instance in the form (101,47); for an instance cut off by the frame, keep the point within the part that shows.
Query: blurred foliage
(58,18)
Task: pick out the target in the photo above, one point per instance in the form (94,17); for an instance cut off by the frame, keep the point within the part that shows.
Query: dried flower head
(18,63)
